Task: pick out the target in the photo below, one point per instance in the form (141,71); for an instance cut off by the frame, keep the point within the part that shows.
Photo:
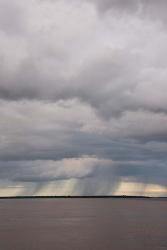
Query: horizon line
(82,196)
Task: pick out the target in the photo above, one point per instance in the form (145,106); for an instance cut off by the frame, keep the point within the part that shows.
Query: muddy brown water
(83,224)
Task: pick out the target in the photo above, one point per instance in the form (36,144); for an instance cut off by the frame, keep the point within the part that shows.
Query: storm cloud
(83,95)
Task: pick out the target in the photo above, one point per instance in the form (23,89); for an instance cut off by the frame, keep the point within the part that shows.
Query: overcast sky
(83,97)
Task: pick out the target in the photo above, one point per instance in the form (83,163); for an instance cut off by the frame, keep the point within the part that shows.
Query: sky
(83,97)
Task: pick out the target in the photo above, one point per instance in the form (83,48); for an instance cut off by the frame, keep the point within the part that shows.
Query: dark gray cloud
(145,8)
(83,96)
(41,141)
(123,5)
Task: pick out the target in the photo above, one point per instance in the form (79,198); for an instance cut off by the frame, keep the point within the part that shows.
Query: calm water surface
(83,224)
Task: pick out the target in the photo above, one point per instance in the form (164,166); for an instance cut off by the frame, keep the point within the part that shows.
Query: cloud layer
(83,94)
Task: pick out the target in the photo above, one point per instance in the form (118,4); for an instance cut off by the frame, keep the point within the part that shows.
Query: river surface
(83,224)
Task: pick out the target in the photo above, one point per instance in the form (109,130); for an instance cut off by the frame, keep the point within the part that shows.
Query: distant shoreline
(82,197)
